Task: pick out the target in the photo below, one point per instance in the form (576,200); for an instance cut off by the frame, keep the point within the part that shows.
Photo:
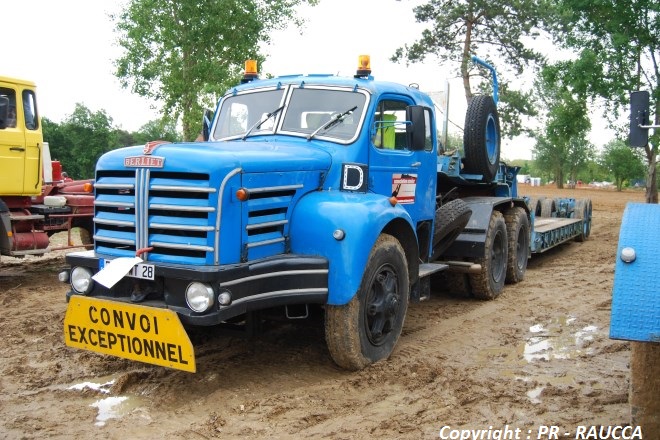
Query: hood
(211,157)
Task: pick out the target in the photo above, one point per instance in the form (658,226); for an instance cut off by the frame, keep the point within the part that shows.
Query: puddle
(558,340)
(535,394)
(103,387)
(111,407)
(108,409)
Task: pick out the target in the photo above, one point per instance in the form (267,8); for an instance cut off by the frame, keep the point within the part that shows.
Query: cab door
(33,143)
(396,169)
(12,145)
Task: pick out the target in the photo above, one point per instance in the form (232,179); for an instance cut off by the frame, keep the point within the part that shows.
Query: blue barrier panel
(636,292)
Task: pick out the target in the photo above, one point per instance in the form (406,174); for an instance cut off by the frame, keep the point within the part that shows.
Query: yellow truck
(36,199)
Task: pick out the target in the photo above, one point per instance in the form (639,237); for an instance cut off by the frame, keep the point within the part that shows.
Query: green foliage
(156,130)
(624,163)
(185,54)
(493,31)
(84,136)
(562,146)
(618,45)
(80,140)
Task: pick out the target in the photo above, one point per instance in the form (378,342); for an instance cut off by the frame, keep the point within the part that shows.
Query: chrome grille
(171,212)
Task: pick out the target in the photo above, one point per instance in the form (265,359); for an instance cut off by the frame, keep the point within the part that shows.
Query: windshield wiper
(332,122)
(262,122)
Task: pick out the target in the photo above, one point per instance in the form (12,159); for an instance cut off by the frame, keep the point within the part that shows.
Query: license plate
(146,334)
(141,270)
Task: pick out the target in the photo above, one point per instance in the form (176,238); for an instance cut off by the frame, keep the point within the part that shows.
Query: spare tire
(481,138)
(450,219)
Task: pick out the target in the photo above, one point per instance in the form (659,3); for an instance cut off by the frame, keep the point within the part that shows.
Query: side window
(389,130)
(30,110)
(10,96)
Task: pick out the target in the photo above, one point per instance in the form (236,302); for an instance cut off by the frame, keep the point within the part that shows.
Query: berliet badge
(147,160)
(144,161)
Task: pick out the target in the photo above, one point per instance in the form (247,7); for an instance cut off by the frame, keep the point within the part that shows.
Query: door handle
(16,149)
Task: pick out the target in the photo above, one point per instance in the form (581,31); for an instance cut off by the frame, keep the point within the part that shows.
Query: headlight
(199,297)
(81,280)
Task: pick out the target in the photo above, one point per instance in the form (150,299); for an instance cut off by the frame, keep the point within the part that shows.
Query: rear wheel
(517,228)
(367,328)
(489,282)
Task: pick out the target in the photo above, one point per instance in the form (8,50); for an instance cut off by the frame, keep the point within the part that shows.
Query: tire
(583,210)
(534,205)
(548,207)
(450,219)
(86,231)
(517,230)
(453,283)
(489,283)
(482,137)
(367,328)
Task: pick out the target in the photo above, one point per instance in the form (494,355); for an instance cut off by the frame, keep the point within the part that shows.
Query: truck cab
(20,139)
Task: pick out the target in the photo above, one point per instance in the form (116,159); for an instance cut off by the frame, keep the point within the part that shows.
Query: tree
(562,145)
(493,30)
(623,163)
(80,140)
(618,44)
(156,130)
(185,53)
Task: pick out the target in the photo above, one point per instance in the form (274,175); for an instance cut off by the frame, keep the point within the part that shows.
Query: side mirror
(639,115)
(4,112)
(207,119)
(416,130)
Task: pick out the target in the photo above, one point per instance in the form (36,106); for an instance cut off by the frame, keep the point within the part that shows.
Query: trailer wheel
(517,229)
(548,207)
(367,328)
(450,219)
(534,205)
(481,137)
(488,283)
(583,210)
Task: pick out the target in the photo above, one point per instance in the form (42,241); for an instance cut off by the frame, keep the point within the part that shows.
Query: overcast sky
(68,46)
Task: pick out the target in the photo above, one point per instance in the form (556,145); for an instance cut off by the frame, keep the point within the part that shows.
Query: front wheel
(367,328)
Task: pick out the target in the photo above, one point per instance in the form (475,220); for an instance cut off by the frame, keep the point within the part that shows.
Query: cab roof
(366,83)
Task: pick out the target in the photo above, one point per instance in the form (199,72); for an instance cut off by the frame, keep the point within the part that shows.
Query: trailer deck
(548,232)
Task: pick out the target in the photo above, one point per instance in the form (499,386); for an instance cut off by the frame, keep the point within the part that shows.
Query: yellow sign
(145,334)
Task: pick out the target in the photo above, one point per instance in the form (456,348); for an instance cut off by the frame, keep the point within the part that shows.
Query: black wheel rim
(382,305)
(497,262)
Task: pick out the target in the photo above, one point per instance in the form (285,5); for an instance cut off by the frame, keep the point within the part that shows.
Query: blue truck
(308,192)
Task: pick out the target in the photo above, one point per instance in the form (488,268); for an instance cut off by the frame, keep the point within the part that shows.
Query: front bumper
(274,281)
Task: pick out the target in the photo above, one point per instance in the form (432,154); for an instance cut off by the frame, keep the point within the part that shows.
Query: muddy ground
(538,355)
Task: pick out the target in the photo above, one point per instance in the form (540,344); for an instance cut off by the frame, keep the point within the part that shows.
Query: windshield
(241,112)
(307,112)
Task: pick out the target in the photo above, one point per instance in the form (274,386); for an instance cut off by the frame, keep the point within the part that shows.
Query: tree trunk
(465,73)
(560,179)
(651,182)
(645,388)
